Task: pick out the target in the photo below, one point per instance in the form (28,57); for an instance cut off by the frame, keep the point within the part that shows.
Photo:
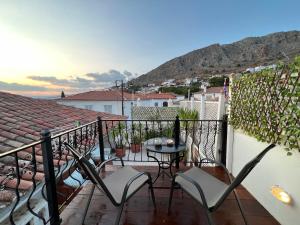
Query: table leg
(150,156)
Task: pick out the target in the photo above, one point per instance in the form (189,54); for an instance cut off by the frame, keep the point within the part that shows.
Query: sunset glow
(21,56)
(46,46)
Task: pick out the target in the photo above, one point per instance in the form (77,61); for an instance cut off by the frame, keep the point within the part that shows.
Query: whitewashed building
(212,93)
(110,101)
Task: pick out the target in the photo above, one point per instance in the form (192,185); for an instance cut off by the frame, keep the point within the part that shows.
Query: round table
(175,153)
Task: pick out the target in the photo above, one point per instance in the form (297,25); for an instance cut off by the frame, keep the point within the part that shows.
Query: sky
(71,45)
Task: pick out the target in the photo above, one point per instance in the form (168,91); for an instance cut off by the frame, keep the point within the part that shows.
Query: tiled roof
(21,121)
(215,89)
(23,118)
(116,95)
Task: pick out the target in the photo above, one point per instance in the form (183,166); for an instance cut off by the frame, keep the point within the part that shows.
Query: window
(89,107)
(165,104)
(156,104)
(108,108)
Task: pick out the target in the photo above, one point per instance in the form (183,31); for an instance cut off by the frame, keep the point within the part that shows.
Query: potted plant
(136,143)
(117,134)
(120,150)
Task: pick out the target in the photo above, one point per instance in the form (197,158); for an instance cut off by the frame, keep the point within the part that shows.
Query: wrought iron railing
(34,174)
(25,169)
(128,137)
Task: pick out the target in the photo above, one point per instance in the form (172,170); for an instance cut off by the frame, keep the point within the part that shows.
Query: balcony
(65,193)
(185,210)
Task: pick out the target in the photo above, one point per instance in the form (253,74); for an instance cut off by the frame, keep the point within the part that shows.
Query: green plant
(266,105)
(136,139)
(118,134)
(188,118)
(168,131)
(151,133)
(218,81)
(195,87)
(188,114)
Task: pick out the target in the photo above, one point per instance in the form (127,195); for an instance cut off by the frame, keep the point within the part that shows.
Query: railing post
(177,138)
(50,180)
(100,137)
(224,140)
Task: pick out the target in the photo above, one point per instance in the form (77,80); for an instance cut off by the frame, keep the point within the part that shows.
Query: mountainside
(219,59)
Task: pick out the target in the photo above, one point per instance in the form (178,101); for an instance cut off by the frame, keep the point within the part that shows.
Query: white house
(168,83)
(259,68)
(212,93)
(111,101)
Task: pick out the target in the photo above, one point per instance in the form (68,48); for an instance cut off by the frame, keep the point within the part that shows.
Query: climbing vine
(266,105)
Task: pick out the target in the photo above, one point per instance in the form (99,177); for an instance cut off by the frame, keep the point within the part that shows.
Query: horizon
(75,46)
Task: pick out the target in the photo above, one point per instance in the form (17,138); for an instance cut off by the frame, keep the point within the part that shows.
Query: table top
(163,148)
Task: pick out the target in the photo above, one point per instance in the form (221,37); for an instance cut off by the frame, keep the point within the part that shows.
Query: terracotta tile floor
(140,211)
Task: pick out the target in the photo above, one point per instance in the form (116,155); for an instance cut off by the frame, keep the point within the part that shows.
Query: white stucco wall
(276,168)
(96,105)
(116,105)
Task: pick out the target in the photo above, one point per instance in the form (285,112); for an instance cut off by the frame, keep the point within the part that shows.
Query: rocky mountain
(227,58)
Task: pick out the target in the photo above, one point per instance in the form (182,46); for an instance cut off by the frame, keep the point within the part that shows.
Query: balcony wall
(276,168)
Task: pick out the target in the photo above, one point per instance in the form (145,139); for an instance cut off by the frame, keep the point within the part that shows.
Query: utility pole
(122,93)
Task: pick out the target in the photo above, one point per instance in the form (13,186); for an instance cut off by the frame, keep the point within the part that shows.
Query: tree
(62,95)
(195,87)
(217,81)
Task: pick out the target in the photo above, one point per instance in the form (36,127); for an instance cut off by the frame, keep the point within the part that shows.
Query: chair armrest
(131,181)
(208,160)
(106,161)
(185,177)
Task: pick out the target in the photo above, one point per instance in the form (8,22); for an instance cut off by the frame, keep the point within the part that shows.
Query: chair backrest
(91,172)
(243,173)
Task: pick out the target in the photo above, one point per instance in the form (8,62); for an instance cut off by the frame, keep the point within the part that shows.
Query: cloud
(111,76)
(4,86)
(51,80)
(88,81)
(71,84)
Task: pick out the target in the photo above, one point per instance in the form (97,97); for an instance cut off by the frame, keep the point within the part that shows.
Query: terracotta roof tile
(9,119)
(2,139)
(5,127)
(8,135)
(18,132)
(4,148)
(5,114)
(12,125)
(14,144)
(2,121)
(33,137)
(27,130)
(24,140)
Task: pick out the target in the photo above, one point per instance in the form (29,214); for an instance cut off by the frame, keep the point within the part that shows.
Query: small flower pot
(120,152)
(135,148)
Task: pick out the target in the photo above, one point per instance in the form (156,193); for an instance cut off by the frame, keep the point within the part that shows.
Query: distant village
(186,82)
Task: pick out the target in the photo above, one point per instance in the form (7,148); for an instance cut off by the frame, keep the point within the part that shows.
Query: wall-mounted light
(281,194)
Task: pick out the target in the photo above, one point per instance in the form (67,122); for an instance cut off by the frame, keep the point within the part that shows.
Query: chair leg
(209,218)
(120,209)
(88,203)
(171,194)
(240,206)
(152,194)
